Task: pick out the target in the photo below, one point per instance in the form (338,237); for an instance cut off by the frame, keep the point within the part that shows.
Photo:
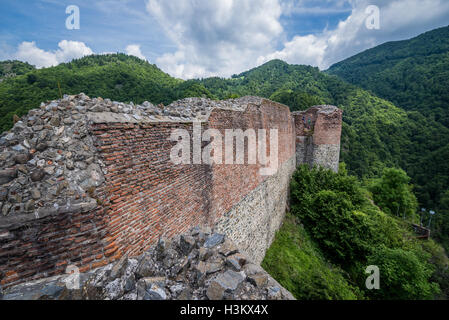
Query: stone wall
(318,133)
(108,188)
(253,222)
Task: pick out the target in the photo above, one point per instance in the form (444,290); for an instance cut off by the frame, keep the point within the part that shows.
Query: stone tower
(318,133)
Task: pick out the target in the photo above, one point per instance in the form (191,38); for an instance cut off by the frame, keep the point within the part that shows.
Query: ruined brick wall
(143,195)
(318,133)
(149,196)
(108,187)
(247,206)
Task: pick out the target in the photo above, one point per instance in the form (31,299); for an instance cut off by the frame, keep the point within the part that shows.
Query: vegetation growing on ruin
(351,232)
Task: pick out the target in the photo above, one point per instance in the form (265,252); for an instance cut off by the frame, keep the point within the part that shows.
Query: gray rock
(68,121)
(274,293)
(6,208)
(214,240)
(155,293)
(70,165)
(49,170)
(21,158)
(119,268)
(29,205)
(3,194)
(55,121)
(37,175)
(130,283)
(114,289)
(35,194)
(186,244)
(18,148)
(151,289)
(41,146)
(251,269)
(259,280)
(146,267)
(205,254)
(234,264)
(224,283)
(7,175)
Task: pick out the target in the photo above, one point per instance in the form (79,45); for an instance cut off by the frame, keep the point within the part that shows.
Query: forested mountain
(376,133)
(413,74)
(12,68)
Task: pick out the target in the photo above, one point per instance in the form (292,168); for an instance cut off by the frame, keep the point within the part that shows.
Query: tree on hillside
(393,193)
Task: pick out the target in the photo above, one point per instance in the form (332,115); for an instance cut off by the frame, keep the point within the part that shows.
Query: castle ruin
(85,181)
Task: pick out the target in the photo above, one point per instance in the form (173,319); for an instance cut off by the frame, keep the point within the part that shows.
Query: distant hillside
(114,76)
(413,74)
(12,68)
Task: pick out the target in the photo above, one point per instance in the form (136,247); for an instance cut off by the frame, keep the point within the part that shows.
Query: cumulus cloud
(399,19)
(216,37)
(68,50)
(134,50)
(226,37)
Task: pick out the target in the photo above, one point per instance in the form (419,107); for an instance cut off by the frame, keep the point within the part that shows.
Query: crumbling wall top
(49,163)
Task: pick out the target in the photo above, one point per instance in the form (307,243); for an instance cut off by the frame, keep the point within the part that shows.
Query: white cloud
(134,50)
(29,52)
(216,37)
(399,19)
(68,50)
(228,36)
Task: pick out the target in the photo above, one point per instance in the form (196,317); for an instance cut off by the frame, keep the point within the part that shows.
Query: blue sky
(196,38)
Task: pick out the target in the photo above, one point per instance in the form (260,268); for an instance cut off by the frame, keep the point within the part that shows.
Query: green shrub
(297,264)
(353,233)
(403,276)
(393,194)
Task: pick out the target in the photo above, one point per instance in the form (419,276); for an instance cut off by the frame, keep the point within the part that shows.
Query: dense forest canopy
(413,74)
(336,229)
(376,133)
(12,68)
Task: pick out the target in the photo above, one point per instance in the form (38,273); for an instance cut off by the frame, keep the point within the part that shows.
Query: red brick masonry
(145,196)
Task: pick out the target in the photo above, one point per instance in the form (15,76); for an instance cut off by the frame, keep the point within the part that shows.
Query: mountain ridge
(413,74)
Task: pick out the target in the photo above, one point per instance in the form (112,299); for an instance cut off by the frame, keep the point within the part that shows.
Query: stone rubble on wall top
(48,161)
(193,266)
(326,109)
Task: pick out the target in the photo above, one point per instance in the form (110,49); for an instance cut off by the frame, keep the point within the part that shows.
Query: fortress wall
(131,194)
(318,133)
(247,206)
(149,196)
(45,247)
